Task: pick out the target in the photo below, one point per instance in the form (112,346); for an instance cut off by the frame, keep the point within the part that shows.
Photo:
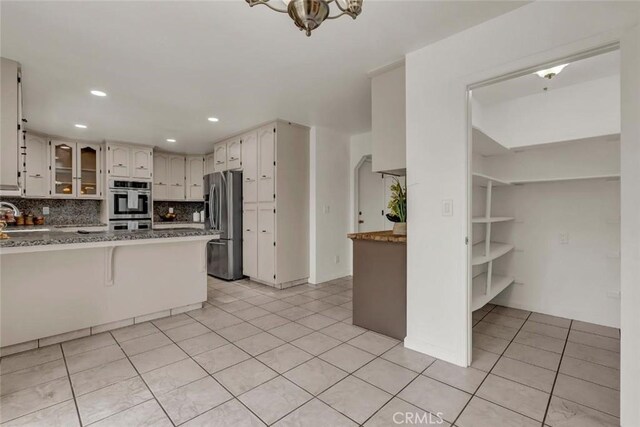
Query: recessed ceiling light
(98,93)
(171,140)
(550,73)
(81,126)
(213,119)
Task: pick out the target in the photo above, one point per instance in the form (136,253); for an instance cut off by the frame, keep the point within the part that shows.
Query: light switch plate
(45,210)
(447,207)
(564,238)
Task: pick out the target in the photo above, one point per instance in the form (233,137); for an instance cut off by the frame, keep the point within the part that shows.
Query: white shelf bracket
(108,257)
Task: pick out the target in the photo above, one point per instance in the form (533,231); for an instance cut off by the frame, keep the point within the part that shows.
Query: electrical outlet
(564,238)
(170,210)
(45,210)
(447,207)
(337,259)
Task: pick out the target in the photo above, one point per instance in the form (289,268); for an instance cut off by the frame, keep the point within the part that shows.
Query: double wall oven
(129,205)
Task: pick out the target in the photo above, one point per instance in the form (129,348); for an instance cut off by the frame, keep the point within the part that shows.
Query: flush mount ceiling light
(309,14)
(98,93)
(171,140)
(80,126)
(550,73)
(213,119)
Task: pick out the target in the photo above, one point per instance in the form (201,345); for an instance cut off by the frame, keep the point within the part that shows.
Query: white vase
(400,228)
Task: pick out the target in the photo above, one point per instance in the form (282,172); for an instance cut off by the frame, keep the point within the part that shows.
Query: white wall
(329,205)
(359,147)
(438,75)
(577,280)
(630,228)
(573,112)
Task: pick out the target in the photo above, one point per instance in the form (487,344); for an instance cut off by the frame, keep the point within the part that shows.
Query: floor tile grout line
(73,393)
(145,384)
(491,370)
(555,379)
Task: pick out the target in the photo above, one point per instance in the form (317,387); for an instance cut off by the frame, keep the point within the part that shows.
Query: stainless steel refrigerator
(223,212)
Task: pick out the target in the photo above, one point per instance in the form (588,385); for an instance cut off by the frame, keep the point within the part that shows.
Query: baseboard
(435,351)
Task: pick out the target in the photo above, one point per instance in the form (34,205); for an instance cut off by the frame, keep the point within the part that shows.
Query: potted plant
(398,207)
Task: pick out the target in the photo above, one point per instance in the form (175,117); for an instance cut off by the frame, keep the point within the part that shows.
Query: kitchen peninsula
(380,282)
(59,285)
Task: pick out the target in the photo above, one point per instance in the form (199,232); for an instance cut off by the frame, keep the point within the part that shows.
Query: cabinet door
(266,248)
(220,155)
(63,169)
(250,240)
(250,167)
(266,167)
(195,173)
(88,171)
(36,166)
(119,160)
(176,182)
(209,164)
(234,154)
(160,177)
(142,159)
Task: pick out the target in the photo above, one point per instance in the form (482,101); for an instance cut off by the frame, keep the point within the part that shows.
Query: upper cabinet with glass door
(76,170)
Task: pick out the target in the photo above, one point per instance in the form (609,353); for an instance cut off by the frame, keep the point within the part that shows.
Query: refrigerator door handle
(212,212)
(217,243)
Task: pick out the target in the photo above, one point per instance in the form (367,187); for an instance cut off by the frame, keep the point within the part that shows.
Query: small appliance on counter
(223,212)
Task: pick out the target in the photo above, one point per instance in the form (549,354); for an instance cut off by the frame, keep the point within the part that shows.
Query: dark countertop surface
(379,236)
(43,238)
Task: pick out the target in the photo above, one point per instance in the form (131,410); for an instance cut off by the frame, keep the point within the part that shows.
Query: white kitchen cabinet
(250,167)
(195,177)
(275,161)
(88,171)
(220,156)
(118,160)
(250,240)
(10,127)
(266,163)
(266,244)
(129,161)
(160,176)
(234,153)
(209,164)
(76,170)
(36,166)
(142,159)
(388,122)
(176,178)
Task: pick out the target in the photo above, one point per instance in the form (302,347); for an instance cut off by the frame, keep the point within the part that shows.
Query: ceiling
(592,68)
(168,66)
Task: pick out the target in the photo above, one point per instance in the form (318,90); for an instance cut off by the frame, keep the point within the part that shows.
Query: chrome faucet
(11,206)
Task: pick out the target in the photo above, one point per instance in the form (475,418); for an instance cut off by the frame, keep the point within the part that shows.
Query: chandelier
(309,14)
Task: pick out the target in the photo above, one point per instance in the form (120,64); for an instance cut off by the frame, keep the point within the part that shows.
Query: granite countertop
(43,238)
(52,226)
(379,236)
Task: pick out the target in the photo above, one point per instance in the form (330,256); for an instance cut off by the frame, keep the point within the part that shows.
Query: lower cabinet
(266,244)
(250,240)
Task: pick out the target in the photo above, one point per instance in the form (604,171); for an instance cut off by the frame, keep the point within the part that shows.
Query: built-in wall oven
(129,200)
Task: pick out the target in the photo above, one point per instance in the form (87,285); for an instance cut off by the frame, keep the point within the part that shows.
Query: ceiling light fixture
(309,14)
(98,93)
(550,73)
(81,126)
(171,140)
(213,119)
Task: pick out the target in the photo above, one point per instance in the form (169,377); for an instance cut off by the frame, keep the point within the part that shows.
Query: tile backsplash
(183,210)
(61,211)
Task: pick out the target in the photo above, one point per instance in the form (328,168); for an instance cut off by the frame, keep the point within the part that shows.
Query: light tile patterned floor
(256,355)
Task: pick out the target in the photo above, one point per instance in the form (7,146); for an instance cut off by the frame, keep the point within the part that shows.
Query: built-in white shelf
(562,179)
(486,220)
(482,180)
(496,250)
(481,295)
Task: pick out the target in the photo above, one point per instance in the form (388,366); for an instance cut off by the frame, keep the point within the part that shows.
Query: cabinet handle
(264,231)
(35,176)
(248,229)
(233,158)
(264,176)
(120,164)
